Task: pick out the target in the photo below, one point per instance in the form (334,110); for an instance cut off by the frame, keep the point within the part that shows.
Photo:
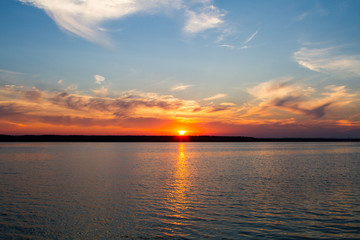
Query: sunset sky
(154,67)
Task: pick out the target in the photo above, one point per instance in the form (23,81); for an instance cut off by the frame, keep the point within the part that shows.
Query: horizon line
(162,138)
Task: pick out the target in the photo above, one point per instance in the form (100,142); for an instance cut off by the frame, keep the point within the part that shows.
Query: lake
(180,190)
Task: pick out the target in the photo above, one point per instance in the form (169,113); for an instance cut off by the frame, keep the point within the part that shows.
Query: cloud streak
(180,87)
(243,45)
(327,61)
(301,17)
(217,96)
(227,46)
(251,37)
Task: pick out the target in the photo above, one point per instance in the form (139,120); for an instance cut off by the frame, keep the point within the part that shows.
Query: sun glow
(182,132)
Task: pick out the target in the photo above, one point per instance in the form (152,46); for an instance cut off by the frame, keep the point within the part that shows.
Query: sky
(153,67)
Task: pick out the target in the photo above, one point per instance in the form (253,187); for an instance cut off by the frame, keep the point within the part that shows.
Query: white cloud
(60,81)
(217,96)
(244,46)
(99,79)
(209,17)
(326,60)
(180,87)
(85,17)
(251,37)
(227,46)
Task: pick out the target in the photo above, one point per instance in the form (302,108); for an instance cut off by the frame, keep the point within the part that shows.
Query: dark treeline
(85,138)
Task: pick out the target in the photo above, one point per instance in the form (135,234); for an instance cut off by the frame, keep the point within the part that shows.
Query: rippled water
(179,190)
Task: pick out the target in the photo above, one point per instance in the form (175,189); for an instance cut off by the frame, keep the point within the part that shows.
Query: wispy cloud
(180,87)
(99,79)
(4,71)
(318,11)
(208,17)
(84,18)
(243,45)
(217,96)
(251,37)
(326,60)
(296,98)
(301,16)
(227,46)
(9,77)
(227,104)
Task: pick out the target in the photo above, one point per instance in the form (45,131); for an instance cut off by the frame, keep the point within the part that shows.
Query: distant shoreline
(137,138)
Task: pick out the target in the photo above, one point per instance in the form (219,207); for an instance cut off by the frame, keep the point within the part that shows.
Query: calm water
(180,190)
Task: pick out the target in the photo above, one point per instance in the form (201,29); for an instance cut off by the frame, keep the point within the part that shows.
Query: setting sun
(182,132)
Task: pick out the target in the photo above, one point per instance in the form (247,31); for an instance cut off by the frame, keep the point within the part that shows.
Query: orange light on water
(182,132)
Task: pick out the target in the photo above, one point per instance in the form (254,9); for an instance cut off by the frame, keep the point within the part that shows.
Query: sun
(182,132)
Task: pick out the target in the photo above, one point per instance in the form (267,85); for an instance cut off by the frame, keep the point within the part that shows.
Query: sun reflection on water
(178,196)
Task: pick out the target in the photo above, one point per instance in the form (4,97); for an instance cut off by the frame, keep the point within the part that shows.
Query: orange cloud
(278,108)
(296,98)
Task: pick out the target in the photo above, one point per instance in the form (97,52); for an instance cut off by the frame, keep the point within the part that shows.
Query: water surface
(180,190)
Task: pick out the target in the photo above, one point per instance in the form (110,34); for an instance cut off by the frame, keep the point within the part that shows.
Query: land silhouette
(146,138)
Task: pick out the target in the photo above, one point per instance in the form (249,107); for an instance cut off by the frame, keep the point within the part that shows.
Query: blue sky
(256,64)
